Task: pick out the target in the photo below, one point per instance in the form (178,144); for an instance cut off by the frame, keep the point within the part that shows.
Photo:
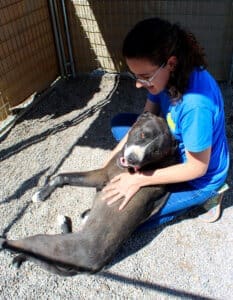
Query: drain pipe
(231,71)
(57,39)
(59,32)
(67,32)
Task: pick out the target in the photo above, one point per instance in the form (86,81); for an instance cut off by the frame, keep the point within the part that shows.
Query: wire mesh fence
(28,48)
(27,53)
(98,29)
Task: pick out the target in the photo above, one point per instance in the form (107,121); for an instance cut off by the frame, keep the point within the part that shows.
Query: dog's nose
(132,159)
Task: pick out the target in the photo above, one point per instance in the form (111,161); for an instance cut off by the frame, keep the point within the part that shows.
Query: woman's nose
(139,84)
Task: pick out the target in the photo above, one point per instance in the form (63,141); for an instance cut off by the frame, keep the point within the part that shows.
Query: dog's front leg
(95,178)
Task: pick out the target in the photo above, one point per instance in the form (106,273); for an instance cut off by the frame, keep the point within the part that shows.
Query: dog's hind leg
(64,223)
(95,178)
(18,260)
(59,254)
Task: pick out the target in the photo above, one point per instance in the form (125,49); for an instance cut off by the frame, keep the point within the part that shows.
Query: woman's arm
(195,167)
(126,185)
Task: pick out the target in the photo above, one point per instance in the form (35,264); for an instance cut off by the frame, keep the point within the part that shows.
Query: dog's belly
(107,227)
(95,244)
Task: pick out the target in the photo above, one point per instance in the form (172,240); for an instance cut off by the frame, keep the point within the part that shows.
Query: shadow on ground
(72,96)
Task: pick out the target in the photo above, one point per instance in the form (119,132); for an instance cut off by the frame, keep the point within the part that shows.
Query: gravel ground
(69,130)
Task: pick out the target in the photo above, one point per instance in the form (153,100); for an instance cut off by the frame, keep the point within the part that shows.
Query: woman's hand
(126,185)
(121,186)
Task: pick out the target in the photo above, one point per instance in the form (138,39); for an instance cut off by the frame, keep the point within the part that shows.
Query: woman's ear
(172,63)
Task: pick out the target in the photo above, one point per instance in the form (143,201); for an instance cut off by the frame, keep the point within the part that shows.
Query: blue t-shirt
(197,122)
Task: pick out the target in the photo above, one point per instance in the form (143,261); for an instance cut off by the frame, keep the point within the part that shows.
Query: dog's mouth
(125,164)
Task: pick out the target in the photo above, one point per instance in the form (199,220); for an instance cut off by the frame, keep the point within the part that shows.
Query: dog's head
(149,141)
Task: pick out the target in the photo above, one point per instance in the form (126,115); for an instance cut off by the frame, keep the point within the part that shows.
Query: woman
(170,64)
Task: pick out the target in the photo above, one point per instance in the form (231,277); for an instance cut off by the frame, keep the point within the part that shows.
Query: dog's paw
(37,197)
(64,223)
(61,220)
(40,195)
(18,260)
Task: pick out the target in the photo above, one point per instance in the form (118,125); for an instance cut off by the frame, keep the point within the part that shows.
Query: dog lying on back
(149,146)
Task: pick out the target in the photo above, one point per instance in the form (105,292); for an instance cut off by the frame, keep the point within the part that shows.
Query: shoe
(213,208)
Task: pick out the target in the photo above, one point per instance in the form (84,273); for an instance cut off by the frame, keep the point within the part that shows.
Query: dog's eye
(145,135)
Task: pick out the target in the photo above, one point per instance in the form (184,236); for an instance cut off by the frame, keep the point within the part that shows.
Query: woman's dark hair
(157,40)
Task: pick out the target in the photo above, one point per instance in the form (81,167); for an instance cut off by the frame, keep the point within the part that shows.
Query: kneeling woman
(169,62)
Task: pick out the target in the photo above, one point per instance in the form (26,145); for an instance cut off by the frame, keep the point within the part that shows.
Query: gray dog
(149,146)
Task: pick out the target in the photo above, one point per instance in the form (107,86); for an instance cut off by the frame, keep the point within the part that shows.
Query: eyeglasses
(147,82)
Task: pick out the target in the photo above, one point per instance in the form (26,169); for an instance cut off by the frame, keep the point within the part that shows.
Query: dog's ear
(170,144)
(167,143)
(144,115)
(141,118)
